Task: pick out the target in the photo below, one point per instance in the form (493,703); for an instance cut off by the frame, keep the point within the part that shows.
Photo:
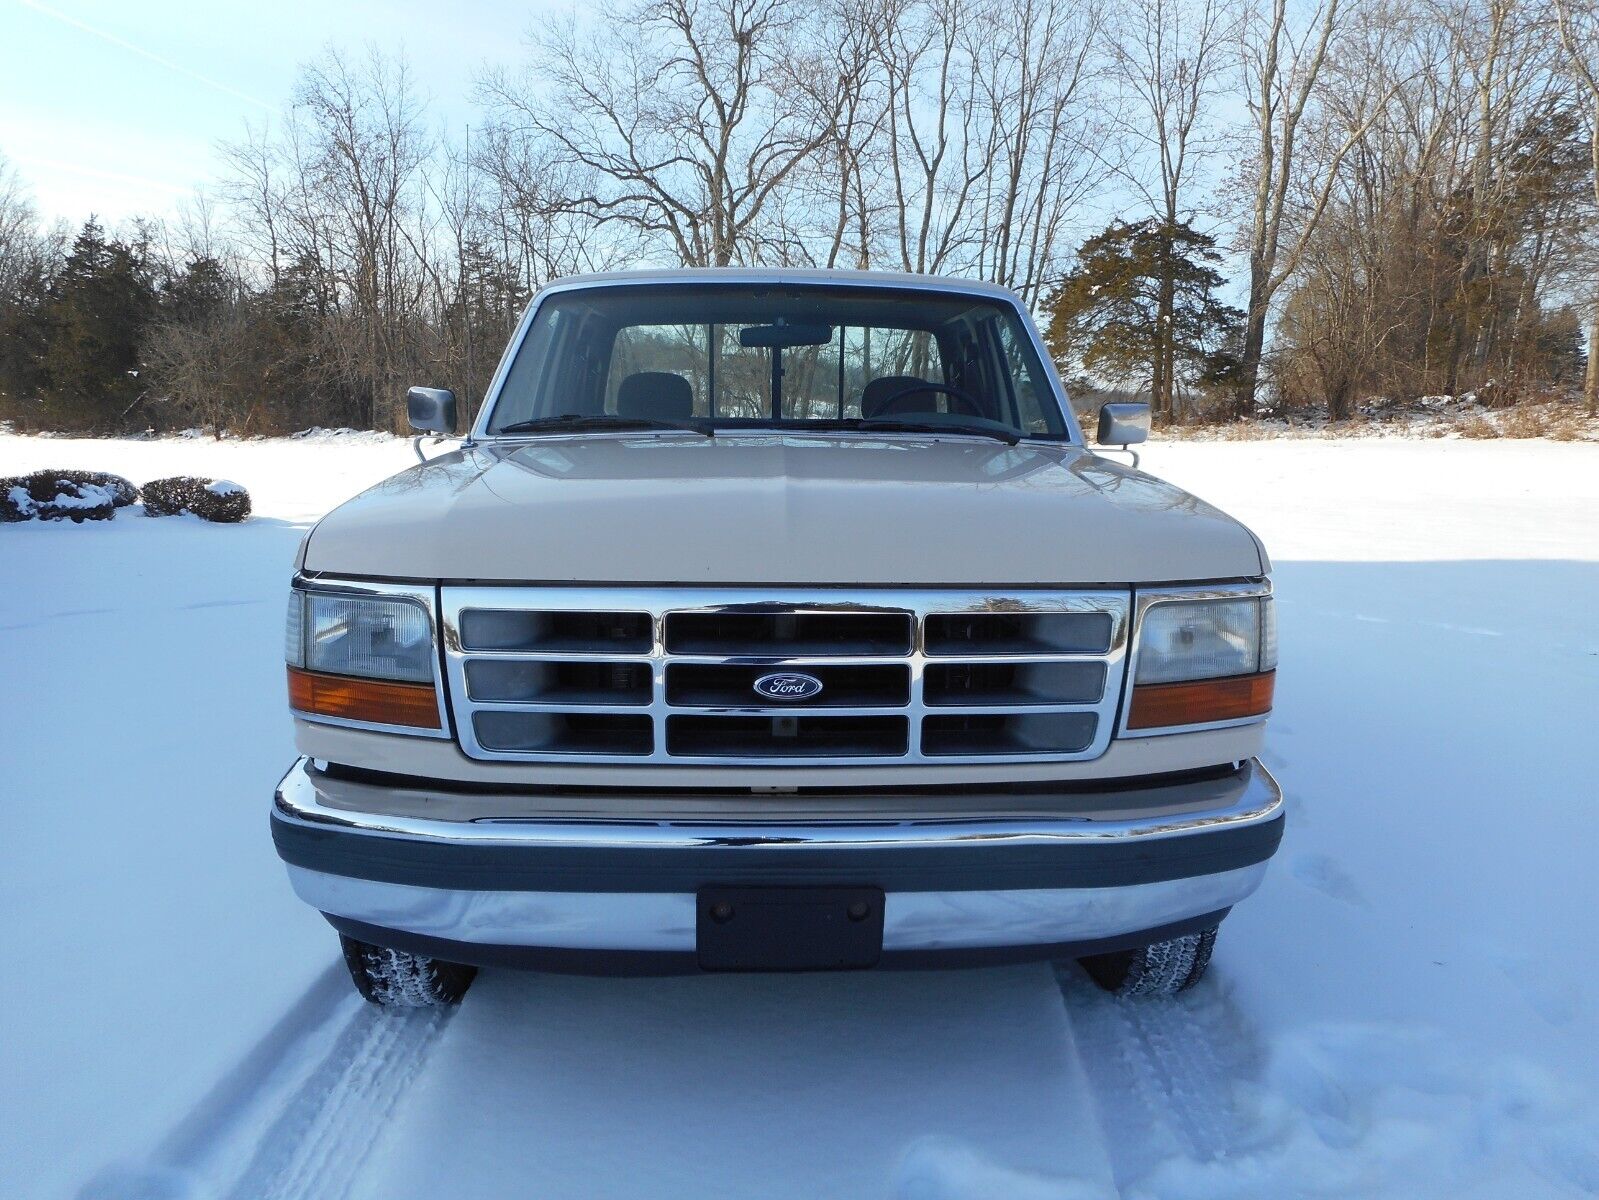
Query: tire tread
(1166,968)
(400,979)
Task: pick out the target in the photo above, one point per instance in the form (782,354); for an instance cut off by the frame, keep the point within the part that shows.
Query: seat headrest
(891,395)
(660,395)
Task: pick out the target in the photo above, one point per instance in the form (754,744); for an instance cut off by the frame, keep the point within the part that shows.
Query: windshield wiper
(600,422)
(895,425)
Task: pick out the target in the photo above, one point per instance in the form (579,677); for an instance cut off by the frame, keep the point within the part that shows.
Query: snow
(1406,1009)
(345,435)
(89,495)
(86,496)
(224,487)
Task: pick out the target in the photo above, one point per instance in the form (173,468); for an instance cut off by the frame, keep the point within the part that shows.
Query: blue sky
(117,108)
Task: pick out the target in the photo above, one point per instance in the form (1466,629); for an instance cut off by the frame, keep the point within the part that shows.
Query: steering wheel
(970,405)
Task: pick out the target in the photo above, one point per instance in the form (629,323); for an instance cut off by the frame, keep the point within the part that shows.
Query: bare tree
(1282,64)
(209,368)
(527,215)
(680,112)
(19,228)
(849,81)
(1578,23)
(1501,52)
(1453,216)
(1169,57)
(1036,70)
(933,158)
(369,149)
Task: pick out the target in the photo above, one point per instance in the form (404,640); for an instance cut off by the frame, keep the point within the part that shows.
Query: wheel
(1161,969)
(400,979)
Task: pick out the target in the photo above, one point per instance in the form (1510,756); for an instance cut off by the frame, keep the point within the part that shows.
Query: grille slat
(708,684)
(983,633)
(1019,683)
(787,737)
(1009,733)
(668,675)
(518,681)
(563,733)
(557,632)
(788,633)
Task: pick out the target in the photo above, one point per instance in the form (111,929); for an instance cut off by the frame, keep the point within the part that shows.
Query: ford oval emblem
(788,686)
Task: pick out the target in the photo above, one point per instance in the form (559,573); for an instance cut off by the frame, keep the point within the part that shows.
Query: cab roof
(786,275)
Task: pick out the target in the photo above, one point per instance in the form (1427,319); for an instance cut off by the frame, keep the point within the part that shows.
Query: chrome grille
(631,675)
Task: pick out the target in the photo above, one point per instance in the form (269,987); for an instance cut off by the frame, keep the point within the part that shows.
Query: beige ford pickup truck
(776,620)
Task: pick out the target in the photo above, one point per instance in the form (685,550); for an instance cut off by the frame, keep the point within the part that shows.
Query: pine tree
(96,315)
(24,337)
(1106,313)
(196,293)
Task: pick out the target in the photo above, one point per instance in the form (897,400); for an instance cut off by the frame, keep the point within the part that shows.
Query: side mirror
(1123,424)
(431,409)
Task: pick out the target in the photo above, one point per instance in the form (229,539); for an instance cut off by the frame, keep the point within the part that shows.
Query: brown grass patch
(1566,427)
(1524,421)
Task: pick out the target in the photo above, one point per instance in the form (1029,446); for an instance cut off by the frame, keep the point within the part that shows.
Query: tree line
(1232,206)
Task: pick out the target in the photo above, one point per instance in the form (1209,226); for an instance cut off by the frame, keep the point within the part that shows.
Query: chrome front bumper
(557,892)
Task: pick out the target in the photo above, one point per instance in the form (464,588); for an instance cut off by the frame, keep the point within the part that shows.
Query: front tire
(400,979)
(1161,969)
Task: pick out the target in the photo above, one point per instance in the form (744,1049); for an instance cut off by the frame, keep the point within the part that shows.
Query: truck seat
(658,395)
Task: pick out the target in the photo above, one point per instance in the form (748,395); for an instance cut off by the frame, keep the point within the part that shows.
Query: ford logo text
(789,686)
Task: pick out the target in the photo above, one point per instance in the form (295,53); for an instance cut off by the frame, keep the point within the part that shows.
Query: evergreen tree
(95,316)
(488,299)
(1106,313)
(196,293)
(24,336)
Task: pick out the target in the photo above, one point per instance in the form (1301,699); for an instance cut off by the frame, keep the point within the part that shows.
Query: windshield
(726,356)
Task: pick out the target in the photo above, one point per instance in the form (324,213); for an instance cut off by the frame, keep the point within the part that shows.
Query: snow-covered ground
(1407,1009)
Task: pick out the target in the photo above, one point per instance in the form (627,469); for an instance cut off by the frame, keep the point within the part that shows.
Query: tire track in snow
(322,1137)
(298,1115)
(1164,1073)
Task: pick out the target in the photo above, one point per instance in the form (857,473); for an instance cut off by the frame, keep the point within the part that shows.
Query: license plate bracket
(789,928)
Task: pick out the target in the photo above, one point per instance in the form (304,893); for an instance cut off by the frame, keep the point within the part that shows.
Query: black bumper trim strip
(974,866)
(568,961)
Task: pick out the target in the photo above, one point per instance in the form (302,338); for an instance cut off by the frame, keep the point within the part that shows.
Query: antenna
(468,315)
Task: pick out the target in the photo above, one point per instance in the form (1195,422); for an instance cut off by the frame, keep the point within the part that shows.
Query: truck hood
(780,509)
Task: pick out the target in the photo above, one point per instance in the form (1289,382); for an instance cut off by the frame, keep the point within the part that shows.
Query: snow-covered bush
(222,500)
(55,496)
(15,503)
(170,496)
(209,499)
(123,493)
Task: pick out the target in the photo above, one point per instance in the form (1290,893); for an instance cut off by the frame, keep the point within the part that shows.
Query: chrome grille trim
(914,604)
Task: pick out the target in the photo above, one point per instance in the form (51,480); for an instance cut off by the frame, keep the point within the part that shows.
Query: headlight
(1202,661)
(1205,639)
(372,638)
(361,658)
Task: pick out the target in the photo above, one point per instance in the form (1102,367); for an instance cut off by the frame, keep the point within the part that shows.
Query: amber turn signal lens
(1158,705)
(376,700)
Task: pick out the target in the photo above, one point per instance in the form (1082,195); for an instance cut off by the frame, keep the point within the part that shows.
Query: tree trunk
(1165,353)
(1338,400)
(1157,375)
(1591,386)
(1254,334)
